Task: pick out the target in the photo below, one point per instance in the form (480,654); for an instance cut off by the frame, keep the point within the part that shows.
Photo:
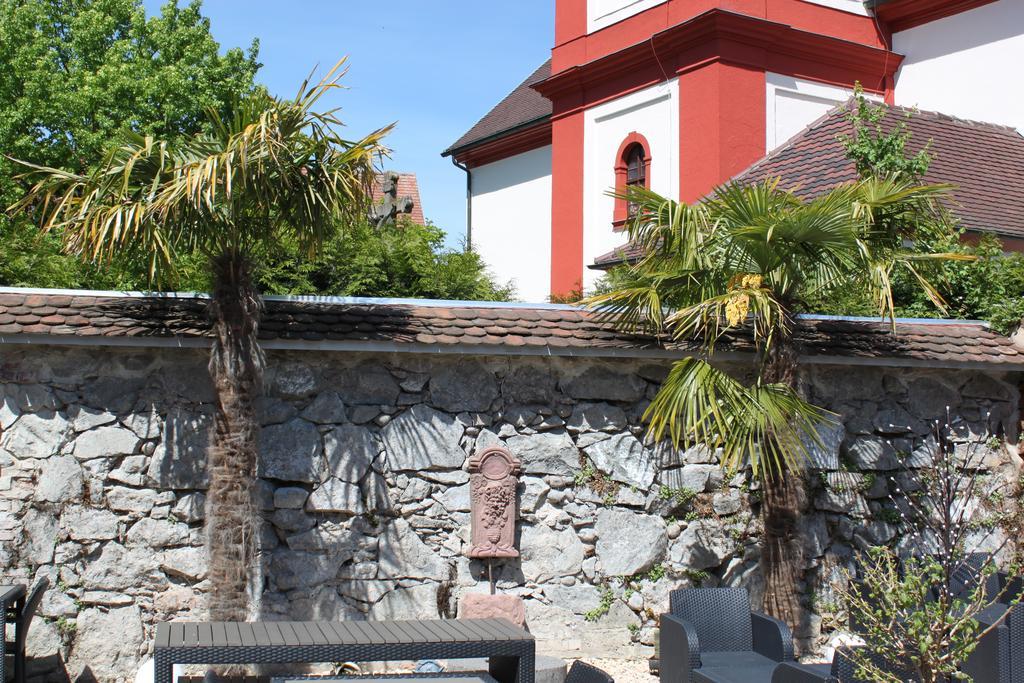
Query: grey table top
(443,677)
(175,635)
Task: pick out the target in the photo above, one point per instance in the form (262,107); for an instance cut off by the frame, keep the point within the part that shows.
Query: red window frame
(633,141)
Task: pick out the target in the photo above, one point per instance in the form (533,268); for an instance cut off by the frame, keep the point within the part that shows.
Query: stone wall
(366,496)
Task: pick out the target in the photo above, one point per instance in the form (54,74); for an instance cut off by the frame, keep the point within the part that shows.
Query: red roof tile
(556,330)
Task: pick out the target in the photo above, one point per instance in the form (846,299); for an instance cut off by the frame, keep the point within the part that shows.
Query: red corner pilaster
(725,133)
(567,204)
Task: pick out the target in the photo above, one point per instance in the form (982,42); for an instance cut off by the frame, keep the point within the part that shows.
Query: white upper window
(601,13)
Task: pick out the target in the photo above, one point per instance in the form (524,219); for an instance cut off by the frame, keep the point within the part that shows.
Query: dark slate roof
(984,161)
(522,106)
(41,316)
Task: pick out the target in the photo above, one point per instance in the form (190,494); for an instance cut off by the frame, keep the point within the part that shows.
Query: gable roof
(72,317)
(985,162)
(408,186)
(522,107)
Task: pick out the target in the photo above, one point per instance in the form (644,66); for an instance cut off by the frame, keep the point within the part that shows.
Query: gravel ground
(624,670)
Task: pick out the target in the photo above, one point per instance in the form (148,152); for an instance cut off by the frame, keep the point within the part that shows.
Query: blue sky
(433,66)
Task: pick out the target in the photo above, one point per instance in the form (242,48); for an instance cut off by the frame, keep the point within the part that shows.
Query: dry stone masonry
(365,490)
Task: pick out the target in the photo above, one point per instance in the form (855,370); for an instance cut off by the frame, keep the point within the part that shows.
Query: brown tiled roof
(522,106)
(408,186)
(41,316)
(984,161)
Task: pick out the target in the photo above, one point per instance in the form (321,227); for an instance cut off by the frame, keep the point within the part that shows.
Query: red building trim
(726,36)
(621,213)
(574,46)
(507,144)
(901,15)
(567,204)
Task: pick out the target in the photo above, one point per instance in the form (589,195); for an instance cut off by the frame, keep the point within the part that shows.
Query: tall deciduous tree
(274,171)
(74,74)
(748,257)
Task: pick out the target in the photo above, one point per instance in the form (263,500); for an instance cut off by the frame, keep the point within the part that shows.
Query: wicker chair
(841,670)
(999,656)
(580,672)
(15,650)
(999,585)
(711,635)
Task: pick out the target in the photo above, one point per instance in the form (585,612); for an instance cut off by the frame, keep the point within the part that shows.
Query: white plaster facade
(793,104)
(653,113)
(966,65)
(852,6)
(511,205)
(601,13)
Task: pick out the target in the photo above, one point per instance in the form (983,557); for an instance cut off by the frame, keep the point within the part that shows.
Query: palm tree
(272,172)
(750,256)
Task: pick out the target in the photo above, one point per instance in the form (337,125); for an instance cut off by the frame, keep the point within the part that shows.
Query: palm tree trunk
(782,561)
(236,368)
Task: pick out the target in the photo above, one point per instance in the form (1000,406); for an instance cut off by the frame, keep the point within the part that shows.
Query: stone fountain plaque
(493,477)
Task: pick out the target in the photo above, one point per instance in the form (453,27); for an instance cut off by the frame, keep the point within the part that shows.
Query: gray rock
(376,492)
(350,450)
(704,544)
(338,538)
(845,501)
(335,495)
(33,398)
(294,380)
(463,385)
(368,384)
(144,425)
(35,435)
(727,502)
(873,453)
(157,533)
(402,555)
(290,452)
(825,455)
(60,480)
(987,387)
(118,569)
(813,531)
(529,383)
(186,563)
(40,536)
(89,524)
(594,417)
(292,520)
(363,414)
(109,641)
(455,498)
(274,411)
(124,499)
(105,442)
(534,492)
(326,408)
(626,460)
(629,543)
(696,478)
(324,604)
(547,554)
(290,497)
(895,421)
(929,398)
(412,602)
(579,598)
(546,453)
(179,462)
(601,383)
(190,508)
(87,418)
(422,438)
(290,569)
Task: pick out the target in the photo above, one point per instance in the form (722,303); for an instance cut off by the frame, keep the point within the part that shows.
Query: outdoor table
(12,602)
(509,648)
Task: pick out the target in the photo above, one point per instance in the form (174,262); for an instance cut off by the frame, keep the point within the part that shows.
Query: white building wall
(511,206)
(851,6)
(794,103)
(601,13)
(653,113)
(967,65)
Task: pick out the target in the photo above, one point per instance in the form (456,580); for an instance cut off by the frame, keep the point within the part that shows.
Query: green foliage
(878,152)
(75,75)
(682,497)
(607,599)
(987,285)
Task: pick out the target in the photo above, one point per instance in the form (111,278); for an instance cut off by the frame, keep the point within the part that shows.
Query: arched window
(632,169)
